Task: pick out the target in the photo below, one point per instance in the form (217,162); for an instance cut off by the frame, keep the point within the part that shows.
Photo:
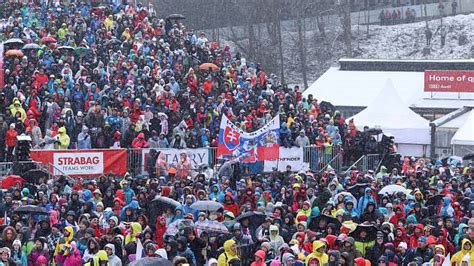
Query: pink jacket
(70,260)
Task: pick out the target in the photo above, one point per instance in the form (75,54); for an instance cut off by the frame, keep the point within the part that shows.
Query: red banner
(449,81)
(83,162)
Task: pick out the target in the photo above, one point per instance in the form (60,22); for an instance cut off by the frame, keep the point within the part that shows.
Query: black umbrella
(175,17)
(151,261)
(434,200)
(113,41)
(31,209)
(159,205)
(373,131)
(468,157)
(327,107)
(314,224)
(367,227)
(256,218)
(33,175)
(354,190)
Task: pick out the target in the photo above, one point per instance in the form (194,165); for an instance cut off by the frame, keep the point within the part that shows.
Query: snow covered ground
(405,41)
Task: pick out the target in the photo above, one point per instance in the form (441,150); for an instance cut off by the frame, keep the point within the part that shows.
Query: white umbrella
(163,114)
(346,194)
(392,189)
(206,205)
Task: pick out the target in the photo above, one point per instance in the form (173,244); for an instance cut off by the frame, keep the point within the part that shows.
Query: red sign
(449,81)
(83,162)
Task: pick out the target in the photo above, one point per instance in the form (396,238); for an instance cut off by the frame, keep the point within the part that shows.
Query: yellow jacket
(109,22)
(63,138)
(458,256)
(228,254)
(132,236)
(65,240)
(98,258)
(16,107)
(322,257)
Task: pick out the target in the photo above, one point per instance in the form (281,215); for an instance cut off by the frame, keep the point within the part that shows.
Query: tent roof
(457,122)
(388,112)
(465,134)
(360,88)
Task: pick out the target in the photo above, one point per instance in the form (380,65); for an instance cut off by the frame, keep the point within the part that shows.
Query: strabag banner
(172,156)
(288,157)
(258,146)
(83,162)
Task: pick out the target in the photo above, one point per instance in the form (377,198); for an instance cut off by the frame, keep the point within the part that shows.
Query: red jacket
(10,138)
(231,205)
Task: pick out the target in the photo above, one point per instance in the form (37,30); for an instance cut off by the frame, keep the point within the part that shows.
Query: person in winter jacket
(466,251)
(68,255)
(275,239)
(364,200)
(230,253)
(113,259)
(63,139)
(446,210)
(139,142)
(259,258)
(10,141)
(319,252)
(84,139)
(185,251)
(230,205)
(39,250)
(134,230)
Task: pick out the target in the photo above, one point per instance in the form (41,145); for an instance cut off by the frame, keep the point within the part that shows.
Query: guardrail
(367,162)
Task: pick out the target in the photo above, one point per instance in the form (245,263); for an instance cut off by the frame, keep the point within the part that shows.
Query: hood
(71,233)
(446,201)
(227,246)
(261,254)
(461,226)
(465,241)
(62,130)
(112,247)
(317,245)
(141,135)
(441,247)
(136,228)
(102,256)
(85,129)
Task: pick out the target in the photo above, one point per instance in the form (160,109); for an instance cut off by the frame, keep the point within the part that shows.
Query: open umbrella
(209,67)
(11,181)
(316,221)
(48,39)
(256,218)
(175,16)
(163,114)
(33,175)
(212,227)
(31,209)
(468,157)
(175,227)
(151,261)
(31,46)
(66,48)
(367,227)
(113,41)
(13,41)
(81,50)
(206,205)
(358,189)
(165,203)
(346,195)
(14,52)
(327,107)
(434,200)
(392,189)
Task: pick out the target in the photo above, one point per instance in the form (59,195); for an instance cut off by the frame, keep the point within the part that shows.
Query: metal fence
(367,162)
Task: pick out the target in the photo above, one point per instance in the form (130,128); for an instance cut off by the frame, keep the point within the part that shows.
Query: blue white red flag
(258,146)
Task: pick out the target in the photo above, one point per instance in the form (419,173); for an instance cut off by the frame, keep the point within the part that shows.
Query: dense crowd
(87,75)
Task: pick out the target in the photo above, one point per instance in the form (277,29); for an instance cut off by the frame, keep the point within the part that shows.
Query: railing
(335,163)
(6,168)
(367,162)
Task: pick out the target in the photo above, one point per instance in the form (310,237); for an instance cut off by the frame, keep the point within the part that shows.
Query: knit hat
(403,245)
(17,242)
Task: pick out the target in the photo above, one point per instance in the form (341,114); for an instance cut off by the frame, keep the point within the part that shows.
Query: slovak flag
(258,146)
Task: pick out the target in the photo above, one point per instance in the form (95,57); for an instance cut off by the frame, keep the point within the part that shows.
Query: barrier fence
(91,162)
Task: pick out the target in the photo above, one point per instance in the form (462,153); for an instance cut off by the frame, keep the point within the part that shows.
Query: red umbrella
(17,53)
(11,181)
(47,39)
(209,66)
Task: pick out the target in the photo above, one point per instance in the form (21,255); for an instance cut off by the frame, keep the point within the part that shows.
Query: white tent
(465,134)
(389,113)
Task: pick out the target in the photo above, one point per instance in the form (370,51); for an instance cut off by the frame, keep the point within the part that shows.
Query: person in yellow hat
(466,251)
(63,139)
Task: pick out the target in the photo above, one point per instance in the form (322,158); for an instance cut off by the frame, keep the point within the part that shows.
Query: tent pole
(433,140)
